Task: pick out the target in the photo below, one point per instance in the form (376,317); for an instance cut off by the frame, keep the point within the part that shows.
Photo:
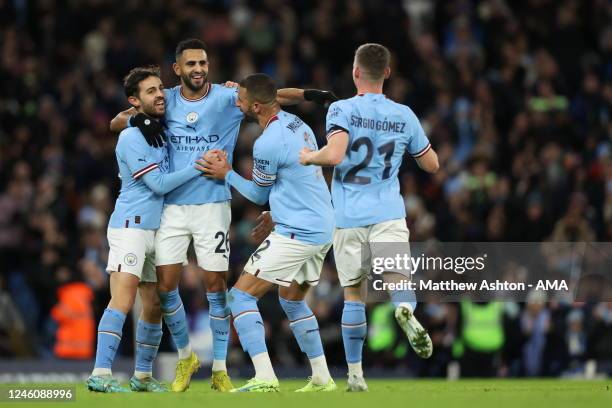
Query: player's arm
(136,153)
(120,121)
(218,167)
(337,125)
(253,191)
(332,154)
(428,161)
(265,225)
(265,164)
(162,183)
(293,96)
(420,148)
(151,128)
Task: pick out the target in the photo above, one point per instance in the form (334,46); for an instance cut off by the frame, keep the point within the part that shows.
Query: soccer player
(200,116)
(367,136)
(291,256)
(143,170)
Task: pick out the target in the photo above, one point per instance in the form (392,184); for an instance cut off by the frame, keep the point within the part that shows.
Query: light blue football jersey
(300,201)
(211,122)
(365,186)
(143,171)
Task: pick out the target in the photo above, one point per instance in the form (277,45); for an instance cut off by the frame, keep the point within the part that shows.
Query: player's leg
(110,329)
(125,262)
(148,332)
(276,261)
(210,230)
(305,328)
(216,293)
(354,331)
(395,233)
(172,307)
(148,337)
(171,243)
(303,322)
(348,257)
(249,325)
(174,315)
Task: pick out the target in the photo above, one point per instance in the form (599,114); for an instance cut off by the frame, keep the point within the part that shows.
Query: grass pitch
(382,394)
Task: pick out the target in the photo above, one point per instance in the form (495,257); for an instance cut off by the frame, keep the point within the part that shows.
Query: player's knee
(164,287)
(215,281)
(293,293)
(240,301)
(166,283)
(168,277)
(353,294)
(151,305)
(152,311)
(121,303)
(295,309)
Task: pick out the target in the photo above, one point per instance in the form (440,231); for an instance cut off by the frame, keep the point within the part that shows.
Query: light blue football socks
(110,330)
(251,331)
(148,337)
(174,315)
(220,313)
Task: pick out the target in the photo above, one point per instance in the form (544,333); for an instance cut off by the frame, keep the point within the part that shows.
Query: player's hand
(264,227)
(208,155)
(214,165)
(305,155)
(214,154)
(320,97)
(150,128)
(231,84)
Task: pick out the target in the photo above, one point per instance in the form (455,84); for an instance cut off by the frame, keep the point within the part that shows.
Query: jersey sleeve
(265,161)
(162,183)
(418,143)
(226,96)
(248,188)
(137,154)
(265,165)
(233,96)
(337,119)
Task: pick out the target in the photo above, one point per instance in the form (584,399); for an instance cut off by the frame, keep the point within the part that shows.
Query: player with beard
(200,116)
(143,170)
(291,256)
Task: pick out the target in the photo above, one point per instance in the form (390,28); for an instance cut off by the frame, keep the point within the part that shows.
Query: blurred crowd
(515,96)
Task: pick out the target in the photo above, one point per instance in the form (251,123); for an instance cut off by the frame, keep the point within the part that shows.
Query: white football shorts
(208,225)
(353,266)
(132,250)
(282,260)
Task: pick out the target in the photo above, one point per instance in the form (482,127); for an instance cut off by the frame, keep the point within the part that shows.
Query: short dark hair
(189,44)
(137,75)
(260,87)
(373,59)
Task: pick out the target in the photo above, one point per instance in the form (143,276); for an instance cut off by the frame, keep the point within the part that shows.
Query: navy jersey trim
(200,98)
(144,170)
(335,130)
(422,152)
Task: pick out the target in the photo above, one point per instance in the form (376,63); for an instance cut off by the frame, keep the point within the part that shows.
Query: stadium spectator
(481,338)
(535,324)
